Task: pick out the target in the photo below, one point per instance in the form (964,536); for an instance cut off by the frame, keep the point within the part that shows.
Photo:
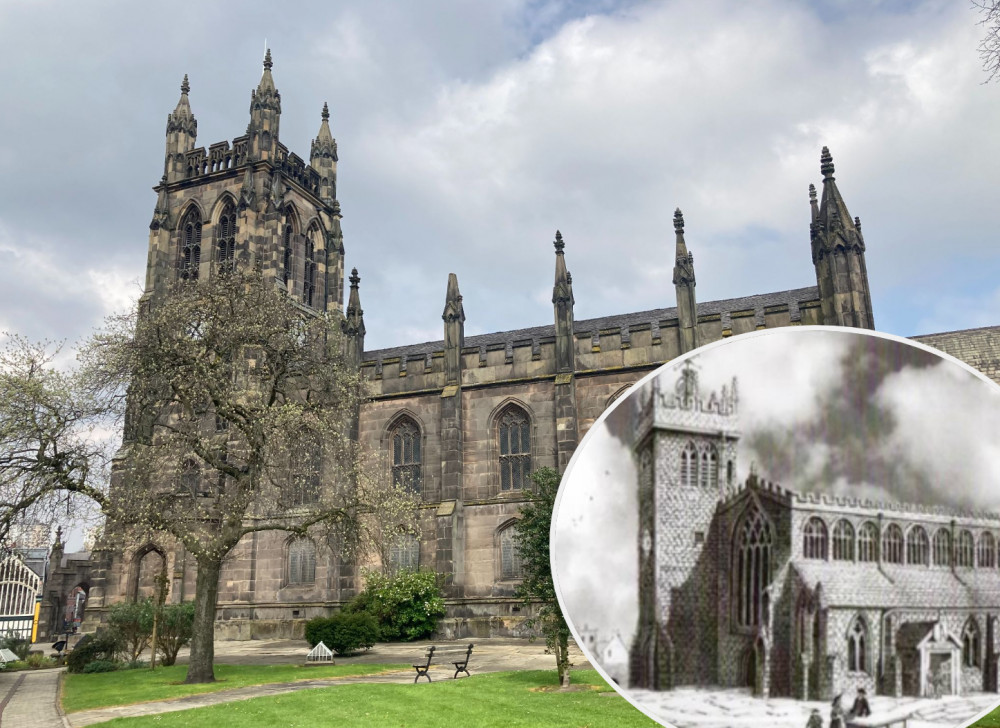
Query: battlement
(221,157)
(832,502)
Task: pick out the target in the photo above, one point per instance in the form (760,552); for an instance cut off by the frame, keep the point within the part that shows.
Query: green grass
(99,690)
(991,720)
(503,699)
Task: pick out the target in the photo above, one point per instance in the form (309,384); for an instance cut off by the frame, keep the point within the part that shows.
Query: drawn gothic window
(301,561)
(892,544)
(964,549)
(514,434)
(868,542)
(917,546)
(708,476)
(942,547)
(689,465)
(406,460)
(814,539)
(286,254)
(405,553)
(190,257)
(510,558)
(970,643)
(986,551)
(843,541)
(226,238)
(857,646)
(753,568)
(309,273)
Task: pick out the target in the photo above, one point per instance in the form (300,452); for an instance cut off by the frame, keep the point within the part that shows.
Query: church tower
(685,455)
(249,202)
(838,252)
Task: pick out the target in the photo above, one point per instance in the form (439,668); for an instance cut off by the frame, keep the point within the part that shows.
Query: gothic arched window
(843,541)
(814,539)
(286,254)
(942,547)
(689,465)
(510,557)
(892,544)
(301,561)
(964,550)
(857,646)
(405,553)
(406,461)
(971,643)
(753,568)
(190,477)
(514,435)
(868,542)
(986,551)
(917,546)
(708,476)
(226,238)
(190,257)
(305,473)
(309,272)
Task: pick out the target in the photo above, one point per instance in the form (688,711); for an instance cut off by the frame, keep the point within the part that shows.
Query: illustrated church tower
(249,203)
(686,462)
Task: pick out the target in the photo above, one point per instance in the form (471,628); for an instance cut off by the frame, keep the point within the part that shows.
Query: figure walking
(837,718)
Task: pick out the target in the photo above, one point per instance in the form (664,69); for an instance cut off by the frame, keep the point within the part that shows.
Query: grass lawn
(505,699)
(992,720)
(83,692)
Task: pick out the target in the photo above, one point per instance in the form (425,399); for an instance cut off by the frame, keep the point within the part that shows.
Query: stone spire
(838,253)
(562,301)
(323,158)
(265,114)
(454,331)
(182,130)
(684,282)
(354,322)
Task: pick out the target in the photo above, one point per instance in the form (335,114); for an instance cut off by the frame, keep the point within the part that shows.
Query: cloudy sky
(469,131)
(820,411)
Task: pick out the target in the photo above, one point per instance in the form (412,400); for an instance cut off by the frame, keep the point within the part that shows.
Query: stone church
(800,595)
(463,419)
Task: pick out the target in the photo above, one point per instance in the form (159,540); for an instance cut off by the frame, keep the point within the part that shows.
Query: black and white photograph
(793,528)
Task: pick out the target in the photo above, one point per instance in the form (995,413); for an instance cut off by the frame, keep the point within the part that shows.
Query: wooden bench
(462,665)
(422,669)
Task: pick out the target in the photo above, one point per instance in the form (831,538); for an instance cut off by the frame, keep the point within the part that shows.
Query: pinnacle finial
(355,279)
(558,243)
(857,223)
(185,86)
(326,112)
(826,163)
(812,193)
(267,60)
(678,220)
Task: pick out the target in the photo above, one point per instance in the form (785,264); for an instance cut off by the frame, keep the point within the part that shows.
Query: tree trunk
(562,658)
(200,668)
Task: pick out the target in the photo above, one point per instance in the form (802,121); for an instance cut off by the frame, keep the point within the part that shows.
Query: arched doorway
(147,564)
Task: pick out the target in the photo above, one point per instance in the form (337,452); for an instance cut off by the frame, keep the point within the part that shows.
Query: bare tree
(237,405)
(989,47)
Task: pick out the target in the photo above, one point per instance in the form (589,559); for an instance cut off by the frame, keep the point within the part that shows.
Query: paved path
(28,699)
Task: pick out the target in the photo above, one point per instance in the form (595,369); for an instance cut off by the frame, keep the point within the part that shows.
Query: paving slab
(28,699)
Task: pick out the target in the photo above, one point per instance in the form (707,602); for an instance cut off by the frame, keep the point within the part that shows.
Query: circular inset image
(793,528)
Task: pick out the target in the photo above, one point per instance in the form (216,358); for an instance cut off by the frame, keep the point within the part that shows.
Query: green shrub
(407,605)
(92,647)
(18,645)
(174,630)
(344,633)
(101,666)
(37,660)
(132,624)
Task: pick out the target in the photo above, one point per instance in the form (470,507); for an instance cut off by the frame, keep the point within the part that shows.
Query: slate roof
(656,317)
(847,584)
